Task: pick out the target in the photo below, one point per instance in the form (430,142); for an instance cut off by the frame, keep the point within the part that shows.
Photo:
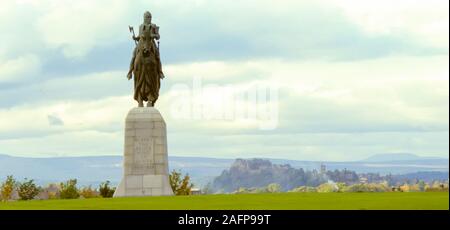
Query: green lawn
(355,201)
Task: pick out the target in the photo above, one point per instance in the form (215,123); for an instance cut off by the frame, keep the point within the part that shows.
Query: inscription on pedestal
(144,156)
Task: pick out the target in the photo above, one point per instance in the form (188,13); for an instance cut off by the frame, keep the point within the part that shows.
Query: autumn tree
(27,190)
(7,188)
(69,190)
(88,192)
(180,186)
(105,190)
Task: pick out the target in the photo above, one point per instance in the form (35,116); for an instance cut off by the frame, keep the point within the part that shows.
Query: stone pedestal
(145,163)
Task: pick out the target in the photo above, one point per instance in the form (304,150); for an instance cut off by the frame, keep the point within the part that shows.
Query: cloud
(290,30)
(20,69)
(426,23)
(333,30)
(19,36)
(82,37)
(77,143)
(311,146)
(54,120)
(77,26)
(354,78)
(102,115)
(415,90)
(314,97)
(71,87)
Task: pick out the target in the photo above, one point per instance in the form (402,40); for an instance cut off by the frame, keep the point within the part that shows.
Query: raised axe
(132,31)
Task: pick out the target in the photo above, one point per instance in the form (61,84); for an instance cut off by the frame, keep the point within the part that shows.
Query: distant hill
(425,176)
(394,157)
(258,173)
(95,169)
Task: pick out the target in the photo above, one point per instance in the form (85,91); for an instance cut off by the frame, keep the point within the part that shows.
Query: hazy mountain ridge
(398,157)
(95,169)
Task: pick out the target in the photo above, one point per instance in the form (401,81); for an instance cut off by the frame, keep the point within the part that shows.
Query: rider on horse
(154,31)
(146,63)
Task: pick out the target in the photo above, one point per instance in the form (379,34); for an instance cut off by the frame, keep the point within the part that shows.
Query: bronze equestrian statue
(145,64)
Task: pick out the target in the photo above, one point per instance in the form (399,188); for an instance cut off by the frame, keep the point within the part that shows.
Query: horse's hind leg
(151,100)
(140,101)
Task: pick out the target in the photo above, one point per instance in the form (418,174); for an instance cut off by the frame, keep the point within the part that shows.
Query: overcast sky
(354,78)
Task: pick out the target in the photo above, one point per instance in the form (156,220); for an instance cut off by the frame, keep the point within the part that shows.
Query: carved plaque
(143,154)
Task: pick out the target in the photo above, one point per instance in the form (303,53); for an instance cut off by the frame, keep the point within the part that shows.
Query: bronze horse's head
(146,47)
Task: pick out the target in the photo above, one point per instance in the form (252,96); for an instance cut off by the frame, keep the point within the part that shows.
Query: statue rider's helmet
(147,17)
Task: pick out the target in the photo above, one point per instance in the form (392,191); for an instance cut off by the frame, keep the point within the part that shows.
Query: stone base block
(144,185)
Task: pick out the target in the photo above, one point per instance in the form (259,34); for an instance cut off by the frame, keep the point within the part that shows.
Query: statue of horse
(146,72)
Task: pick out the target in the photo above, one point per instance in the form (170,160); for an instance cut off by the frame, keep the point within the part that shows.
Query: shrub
(180,186)
(421,184)
(406,188)
(258,190)
(105,190)
(372,187)
(53,191)
(273,188)
(53,195)
(304,189)
(7,188)
(327,187)
(69,190)
(28,190)
(356,188)
(88,192)
(341,186)
(437,187)
(242,190)
(436,190)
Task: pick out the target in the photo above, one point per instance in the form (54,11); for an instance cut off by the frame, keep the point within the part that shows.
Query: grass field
(299,201)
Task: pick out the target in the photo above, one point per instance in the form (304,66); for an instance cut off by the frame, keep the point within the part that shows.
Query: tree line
(421,186)
(27,189)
